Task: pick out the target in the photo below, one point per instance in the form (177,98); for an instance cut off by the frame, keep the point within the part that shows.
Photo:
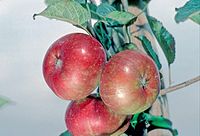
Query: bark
(179,86)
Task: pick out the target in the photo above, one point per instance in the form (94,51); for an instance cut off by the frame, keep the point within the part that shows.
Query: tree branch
(179,86)
(170,75)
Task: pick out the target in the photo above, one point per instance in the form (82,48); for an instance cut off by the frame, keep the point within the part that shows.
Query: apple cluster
(75,65)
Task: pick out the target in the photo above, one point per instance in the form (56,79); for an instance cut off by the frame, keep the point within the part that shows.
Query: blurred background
(36,111)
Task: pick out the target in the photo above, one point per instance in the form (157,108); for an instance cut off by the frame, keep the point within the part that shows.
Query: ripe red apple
(73,65)
(122,129)
(130,82)
(90,117)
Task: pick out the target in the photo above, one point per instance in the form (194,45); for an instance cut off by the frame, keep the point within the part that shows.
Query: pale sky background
(37,111)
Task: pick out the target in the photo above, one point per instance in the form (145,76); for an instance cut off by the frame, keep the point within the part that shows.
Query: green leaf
(190,10)
(152,122)
(92,9)
(104,8)
(110,1)
(66,133)
(103,34)
(164,38)
(49,2)
(3,101)
(81,1)
(159,122)
(150,51)
(196,17)
(67,10)
(134,120)
(120,18)
(128,46)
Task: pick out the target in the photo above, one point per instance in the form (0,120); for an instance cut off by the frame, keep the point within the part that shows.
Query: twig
(124,5)
(179,86)
(170,75)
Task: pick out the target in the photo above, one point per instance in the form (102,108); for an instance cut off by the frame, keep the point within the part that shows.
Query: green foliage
(150,51)
(104,8)
(164,38)
(92,9)
(66,133)
(81,1)
(190,10)
(196,17)
(111,29)
(135,120)
(129,46)
(103,34)
(120,18)
(3,101)
(153,122)
(78,13)
(50,2)
(67,10)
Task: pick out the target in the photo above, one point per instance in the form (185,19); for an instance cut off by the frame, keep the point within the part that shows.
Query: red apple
(73,65)
(122,129)
(130,82)
(90,117)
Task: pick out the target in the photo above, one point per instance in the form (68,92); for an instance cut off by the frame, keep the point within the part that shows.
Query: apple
(90,117)
(130,82)
(73,65)
(122,129)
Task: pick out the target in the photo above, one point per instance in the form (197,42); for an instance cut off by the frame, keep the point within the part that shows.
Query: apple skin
(130,82)
(91,117)
(123,128)
(73,65)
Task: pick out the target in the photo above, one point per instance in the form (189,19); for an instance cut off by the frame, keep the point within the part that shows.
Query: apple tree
(119,56)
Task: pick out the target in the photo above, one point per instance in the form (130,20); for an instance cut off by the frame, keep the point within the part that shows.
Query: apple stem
(179,86)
